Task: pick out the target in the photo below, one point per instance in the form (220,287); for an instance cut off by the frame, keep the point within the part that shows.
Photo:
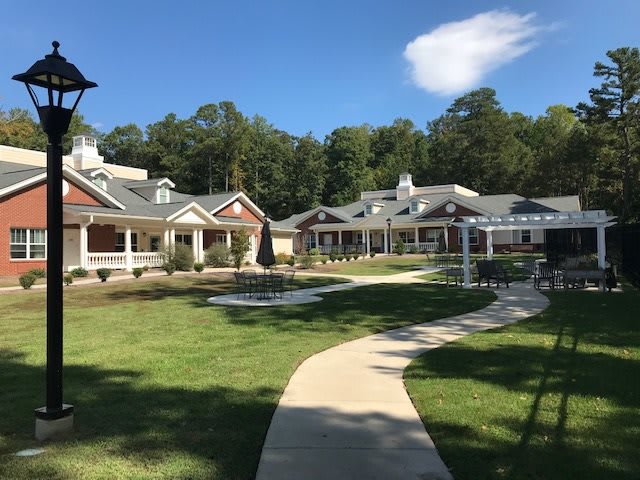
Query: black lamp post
(56,76)
(389,225)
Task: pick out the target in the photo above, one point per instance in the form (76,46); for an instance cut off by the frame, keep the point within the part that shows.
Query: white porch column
(446,237)
(195,246)
(489,244)
(84,245)
(417,238)
(317,240)
(339,237)
(201,245)
(385,235)
(368,246)
(465,258)
(127,248)
(166,240)
(172,236)
(602,247)
(228,238)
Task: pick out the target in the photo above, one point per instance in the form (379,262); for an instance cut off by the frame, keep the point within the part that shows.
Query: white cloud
(455,56)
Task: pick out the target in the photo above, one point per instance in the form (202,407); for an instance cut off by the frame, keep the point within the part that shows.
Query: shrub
(291,261)
(145,268)
(356,256)
(413,249)
(307,261)
(68,279)
(399,247)
(183,258)
(217,255)
(169,268)
(79,272)
(333,256)
(324,260)
(198,267)
(27,280)
(372,254)
(103,273)
(240,246)
(38,272)
(137,272)
(282,258)
(348,258)
(314,252)
(340,258)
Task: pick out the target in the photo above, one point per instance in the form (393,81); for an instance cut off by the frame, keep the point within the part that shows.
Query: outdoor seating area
(264,286)
(491,270)
(573,272)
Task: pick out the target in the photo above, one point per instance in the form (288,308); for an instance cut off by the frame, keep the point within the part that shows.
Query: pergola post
(489,244)
(127,249)
(602,246)
(466,264)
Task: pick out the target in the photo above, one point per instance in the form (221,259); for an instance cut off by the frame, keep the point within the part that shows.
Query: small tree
(240,246)
(400,247)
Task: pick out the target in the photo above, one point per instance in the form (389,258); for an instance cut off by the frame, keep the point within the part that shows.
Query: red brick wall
(460,211)
(454,246)
(102,238)
(313,220)
(245,213)
(78,196)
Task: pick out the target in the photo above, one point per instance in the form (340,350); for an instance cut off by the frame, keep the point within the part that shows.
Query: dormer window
(100,176)
(368,209)
(414,206)
(163,194)
(101,182)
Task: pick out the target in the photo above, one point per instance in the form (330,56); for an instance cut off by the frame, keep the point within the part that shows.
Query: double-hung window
(119,246)
(221,238)
(163,194)
(433,235)
(525,236)
(28,243)
(413,208)
(473,236)
(310,241)
(183,239)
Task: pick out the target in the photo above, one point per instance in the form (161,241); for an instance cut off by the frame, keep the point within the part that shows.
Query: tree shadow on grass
(138,429)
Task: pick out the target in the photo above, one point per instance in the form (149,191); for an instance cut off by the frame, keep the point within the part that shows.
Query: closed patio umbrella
(266,258)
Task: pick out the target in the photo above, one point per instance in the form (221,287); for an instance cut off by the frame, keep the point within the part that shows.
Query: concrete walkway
(345,413)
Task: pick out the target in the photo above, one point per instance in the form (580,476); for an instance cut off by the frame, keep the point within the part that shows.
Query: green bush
(291,261)
(79,272)
(27,280)
(324,260)
(103,273)
(217,255)
(356,256)
(38,272)
(137,272)
(198,267)
(413,249)
(348,258)
(240,246)
(314,252)
(399,247)
(68,279)
(169,268)
(307,261)
(183,258)
(282,258)
(372,254)
(340,258)
(333,256)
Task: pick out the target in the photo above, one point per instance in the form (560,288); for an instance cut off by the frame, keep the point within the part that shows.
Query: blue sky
(315,65)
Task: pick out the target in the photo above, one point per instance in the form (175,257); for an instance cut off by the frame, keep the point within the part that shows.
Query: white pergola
(597,219)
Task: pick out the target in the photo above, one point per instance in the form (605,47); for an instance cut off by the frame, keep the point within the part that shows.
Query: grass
(167,386)
(556,396)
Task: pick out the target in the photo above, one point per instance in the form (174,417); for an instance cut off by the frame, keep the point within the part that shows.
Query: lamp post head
(57,77)
(389,221)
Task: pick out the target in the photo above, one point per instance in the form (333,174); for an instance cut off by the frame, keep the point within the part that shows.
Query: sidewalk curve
(345,413)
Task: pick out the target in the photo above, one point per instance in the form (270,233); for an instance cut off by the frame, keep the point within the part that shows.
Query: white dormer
(85,152)
(405,187)
(156,190)
(100,176)
(416,205)
(371,208)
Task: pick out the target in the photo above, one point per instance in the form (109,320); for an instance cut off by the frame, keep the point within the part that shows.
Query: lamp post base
(51,425)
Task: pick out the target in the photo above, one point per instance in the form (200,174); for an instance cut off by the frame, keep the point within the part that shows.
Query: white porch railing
(118,260)
(425,246)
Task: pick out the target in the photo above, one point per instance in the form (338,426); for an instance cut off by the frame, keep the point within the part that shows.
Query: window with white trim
(119,247)
(310,241)
(101,182)
(28,243)
(163,194)
(359,238)
(221,238)
(525,236)
(184,239)
(413,207)
(473,236)
(368,209)
(407,236)
(433,235)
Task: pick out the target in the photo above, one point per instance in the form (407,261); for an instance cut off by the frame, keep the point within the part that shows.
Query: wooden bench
(455,273)
(573,277)
(491,270)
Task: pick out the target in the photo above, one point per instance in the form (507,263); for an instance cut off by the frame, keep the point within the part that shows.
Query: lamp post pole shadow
(57,76)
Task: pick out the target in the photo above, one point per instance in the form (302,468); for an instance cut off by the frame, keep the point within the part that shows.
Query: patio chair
(545,272)
(243,286)
(288,280)
(455,273)
(491,270)
(277,285)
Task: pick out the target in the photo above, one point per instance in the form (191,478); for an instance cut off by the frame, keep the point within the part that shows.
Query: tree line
(591,150)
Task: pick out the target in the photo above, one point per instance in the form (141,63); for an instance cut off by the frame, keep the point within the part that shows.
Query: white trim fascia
(112,215)
(23,184)
(102,170)
(152,182)
(286,230)
(93,187)
(452,199)
(196,206)
(252,206)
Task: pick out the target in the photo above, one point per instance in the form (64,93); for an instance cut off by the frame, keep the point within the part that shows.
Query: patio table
(264,286)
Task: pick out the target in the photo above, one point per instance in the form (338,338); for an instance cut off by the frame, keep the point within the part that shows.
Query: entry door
(328,239)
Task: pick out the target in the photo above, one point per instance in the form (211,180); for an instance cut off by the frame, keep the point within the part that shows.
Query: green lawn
(168,386)
(555,397)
